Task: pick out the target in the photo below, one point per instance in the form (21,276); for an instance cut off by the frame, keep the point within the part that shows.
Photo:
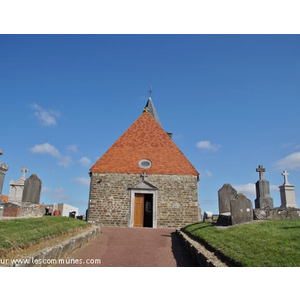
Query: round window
(145,163)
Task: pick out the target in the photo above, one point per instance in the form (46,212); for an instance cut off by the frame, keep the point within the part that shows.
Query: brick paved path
(134,247)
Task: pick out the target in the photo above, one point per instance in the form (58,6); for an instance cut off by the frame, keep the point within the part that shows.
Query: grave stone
(241,210)
(1,210)
(263,198)
(32,189)
(287,193)
(226,194)
(17,187)
(3,169)
(208,215)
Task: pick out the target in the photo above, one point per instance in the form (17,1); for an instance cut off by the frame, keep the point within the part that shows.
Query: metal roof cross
(150,91)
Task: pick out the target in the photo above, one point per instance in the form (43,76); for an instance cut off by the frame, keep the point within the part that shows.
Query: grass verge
(260,244)
(22,233)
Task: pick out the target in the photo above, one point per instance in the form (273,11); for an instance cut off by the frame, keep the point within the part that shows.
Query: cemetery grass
(24,233)
(273,243)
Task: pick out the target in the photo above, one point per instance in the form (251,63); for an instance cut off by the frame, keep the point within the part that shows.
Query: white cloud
(274,188)
(59,190)
(46,117)
(46,189)
(61,197)
(208,173)
(85,162)
(178,136)
(65,161)
(291,161)
(55,194)
(206,145)
(249,189)
(292,146)
(73,148)
(47,148)
(81,180)
(287,145)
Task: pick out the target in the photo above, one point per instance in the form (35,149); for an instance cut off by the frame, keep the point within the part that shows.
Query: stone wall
(201,255)
(278,213)
(25,209)
(56,254)
(177,199)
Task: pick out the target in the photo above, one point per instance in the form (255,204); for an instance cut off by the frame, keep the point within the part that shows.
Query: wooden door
(138,210)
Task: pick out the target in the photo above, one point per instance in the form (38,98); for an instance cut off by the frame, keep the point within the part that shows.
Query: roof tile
(5,198)
(144,139)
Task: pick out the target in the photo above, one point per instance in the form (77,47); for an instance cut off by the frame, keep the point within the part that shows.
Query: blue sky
(231,102)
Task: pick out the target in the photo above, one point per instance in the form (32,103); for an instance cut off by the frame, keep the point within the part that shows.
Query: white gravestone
(287,193)
(17,187)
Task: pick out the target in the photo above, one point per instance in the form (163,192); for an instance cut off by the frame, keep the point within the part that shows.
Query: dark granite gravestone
(226,194)
(32,190)
(263,198)
(241,210)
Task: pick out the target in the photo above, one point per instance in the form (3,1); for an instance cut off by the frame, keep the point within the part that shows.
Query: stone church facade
(144,180)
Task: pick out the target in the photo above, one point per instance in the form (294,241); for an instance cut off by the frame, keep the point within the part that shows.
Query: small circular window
(145,163)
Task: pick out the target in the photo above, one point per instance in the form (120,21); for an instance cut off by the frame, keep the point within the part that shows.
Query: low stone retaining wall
(21,209)
(276,213)
(202,256)
(49,255)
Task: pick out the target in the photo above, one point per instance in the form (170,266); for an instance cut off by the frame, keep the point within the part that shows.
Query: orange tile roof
(5,198)
(144,139)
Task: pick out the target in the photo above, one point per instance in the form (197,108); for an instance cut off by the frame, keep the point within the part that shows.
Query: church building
(144,180)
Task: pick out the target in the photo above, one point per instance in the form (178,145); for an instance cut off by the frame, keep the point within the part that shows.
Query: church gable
(144,139)
(167,194)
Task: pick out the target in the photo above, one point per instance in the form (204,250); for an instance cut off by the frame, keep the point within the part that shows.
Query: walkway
(132,247)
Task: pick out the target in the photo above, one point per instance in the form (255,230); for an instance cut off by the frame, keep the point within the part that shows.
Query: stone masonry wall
(177,199)
(24,209)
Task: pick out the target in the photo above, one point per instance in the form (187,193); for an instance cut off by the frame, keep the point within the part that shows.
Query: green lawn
(24,232)
(258,244)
